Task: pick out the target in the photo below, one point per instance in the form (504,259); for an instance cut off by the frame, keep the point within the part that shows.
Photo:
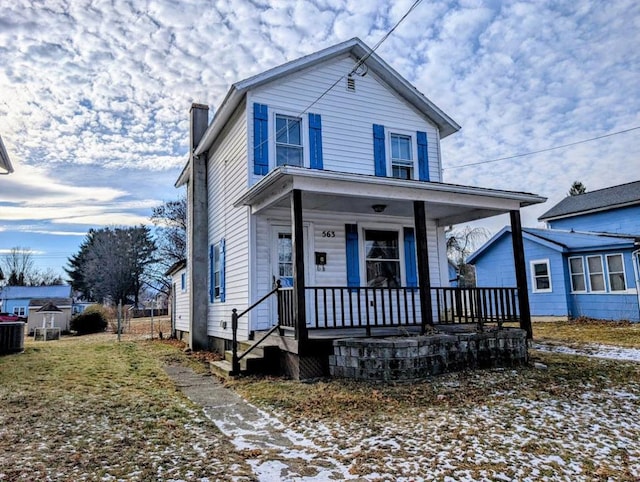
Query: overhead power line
(358,64)
(541,150)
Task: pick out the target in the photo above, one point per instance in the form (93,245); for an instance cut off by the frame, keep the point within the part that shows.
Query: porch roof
(357,193)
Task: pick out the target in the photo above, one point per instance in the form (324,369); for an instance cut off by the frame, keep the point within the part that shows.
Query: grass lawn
(589,331)
(88,408)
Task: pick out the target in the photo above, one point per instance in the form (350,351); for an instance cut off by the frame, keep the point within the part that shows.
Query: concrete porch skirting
(404,358)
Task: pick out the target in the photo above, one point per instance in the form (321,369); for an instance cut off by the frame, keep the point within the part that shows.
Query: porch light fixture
(379,208)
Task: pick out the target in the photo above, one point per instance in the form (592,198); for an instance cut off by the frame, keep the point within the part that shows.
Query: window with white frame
(216,271)
(576,270)
(288,141)
(615,269)
(596,274)
(541,276)
(402,163)
(382,258)
(19,310)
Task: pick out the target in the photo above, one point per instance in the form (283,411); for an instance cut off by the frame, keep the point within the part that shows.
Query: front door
(282,260)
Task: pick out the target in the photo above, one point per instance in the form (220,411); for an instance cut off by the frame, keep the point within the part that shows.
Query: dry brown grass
(585,331)
(88,408)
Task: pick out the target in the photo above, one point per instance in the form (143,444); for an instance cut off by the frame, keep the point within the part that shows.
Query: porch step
(263,360)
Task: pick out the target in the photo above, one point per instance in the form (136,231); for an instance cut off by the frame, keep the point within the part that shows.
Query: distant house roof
(48,308)
(5,162)
(600,200)
(17,292)
(175,267)
(354,47)
(44,302)
(559,240)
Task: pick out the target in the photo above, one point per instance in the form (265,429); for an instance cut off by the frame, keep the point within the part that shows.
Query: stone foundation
(410,358)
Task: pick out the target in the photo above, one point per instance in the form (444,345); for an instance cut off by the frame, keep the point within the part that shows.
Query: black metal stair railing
(235,316)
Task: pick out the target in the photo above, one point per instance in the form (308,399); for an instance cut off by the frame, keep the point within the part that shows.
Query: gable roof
(5,162)
(15,292)
(355,47)
(594,201)
(45,302)
(559,240)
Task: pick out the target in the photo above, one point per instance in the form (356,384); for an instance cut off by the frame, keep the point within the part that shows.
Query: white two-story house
(324,174)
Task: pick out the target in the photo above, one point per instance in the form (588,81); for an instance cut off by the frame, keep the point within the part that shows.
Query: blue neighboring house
(587,263)
(16,299)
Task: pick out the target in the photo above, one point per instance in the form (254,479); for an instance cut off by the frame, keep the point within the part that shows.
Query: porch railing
(368,307)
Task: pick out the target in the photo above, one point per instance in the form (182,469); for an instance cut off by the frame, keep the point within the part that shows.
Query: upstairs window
(541,275)
(402,165)
(288,141)
(615,267)
(382,258)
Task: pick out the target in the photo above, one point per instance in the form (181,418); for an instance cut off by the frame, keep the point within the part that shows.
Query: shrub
(92,320)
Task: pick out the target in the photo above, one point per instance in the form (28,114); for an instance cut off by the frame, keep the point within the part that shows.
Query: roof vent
(351,83)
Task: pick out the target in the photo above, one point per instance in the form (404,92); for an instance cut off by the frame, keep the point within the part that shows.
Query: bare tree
(19,266)
(460,244)
(170,219)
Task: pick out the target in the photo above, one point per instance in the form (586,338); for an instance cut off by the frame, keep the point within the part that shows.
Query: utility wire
(356,66)
(541,150)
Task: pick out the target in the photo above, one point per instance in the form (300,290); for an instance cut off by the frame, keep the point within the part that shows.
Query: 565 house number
(328,234)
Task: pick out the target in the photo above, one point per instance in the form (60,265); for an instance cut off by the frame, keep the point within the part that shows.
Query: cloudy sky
(94,95)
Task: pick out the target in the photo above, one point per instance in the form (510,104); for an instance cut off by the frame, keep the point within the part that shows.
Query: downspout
(635,257)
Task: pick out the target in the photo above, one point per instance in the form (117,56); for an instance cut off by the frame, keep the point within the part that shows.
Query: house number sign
(328,234)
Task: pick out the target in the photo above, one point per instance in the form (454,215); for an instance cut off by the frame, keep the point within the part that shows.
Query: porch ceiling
(356,193)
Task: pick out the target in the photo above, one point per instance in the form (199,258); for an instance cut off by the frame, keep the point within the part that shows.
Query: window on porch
(382,258)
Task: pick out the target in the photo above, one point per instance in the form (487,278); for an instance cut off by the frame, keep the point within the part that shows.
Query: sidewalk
(274,452)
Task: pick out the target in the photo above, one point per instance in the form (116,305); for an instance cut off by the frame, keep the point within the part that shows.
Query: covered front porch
(390,284)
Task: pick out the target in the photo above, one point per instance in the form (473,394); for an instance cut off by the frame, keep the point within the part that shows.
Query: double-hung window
(576,269)
(382,258)
(541,275)
(615,268)
(288,141)
(402,164)
(596,274)
(216,271)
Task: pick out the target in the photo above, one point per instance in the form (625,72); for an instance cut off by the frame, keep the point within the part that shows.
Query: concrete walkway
(274,452)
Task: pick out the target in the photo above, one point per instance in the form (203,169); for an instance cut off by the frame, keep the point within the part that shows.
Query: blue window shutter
(353,268)
(423,156)
(211,274)
(379,157)
(410,267)
(315,141)
(223,252)
(183,281)
(260,139)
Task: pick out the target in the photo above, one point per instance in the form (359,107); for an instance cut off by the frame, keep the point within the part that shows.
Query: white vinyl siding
(227,180)
(347,117)
(182,300)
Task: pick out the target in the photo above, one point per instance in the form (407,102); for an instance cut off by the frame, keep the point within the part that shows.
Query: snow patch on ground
(596,351)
